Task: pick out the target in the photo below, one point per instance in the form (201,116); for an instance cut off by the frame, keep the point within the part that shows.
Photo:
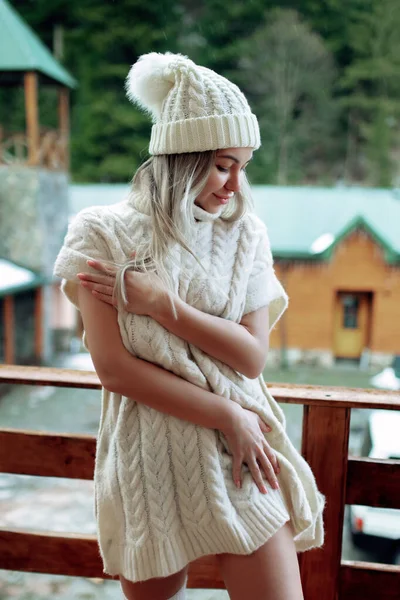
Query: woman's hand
(247,443)
(146,294)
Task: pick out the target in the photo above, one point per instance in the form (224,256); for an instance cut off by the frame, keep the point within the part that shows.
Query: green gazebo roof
(21,50)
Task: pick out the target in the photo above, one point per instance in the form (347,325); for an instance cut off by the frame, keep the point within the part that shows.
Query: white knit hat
(193,108)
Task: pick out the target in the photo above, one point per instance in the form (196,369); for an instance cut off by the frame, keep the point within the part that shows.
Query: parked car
(377,530)
(389,378)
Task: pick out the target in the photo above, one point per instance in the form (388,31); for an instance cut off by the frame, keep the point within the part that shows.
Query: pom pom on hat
(152,77)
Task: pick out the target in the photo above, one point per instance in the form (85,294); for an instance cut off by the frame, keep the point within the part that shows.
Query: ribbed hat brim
(205,133)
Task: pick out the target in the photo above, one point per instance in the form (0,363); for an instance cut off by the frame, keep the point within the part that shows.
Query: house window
(350,311)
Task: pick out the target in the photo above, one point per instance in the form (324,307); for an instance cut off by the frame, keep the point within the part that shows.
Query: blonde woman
(178,294)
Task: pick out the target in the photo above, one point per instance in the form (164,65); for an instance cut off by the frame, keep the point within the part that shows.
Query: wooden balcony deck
(343,479)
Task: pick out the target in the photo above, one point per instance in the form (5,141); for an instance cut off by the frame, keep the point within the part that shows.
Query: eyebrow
(233,158)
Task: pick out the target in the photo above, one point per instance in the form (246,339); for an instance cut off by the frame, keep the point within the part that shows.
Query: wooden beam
(39,330)
(47,454)
(361,472)
(9,330)
(369,581)
(325,447)
(32,117)
(78,556)
(309,395)
(63,121)
(69,554)
(54,377)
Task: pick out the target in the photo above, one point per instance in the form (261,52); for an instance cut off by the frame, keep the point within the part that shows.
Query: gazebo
(34,183)
(25,61)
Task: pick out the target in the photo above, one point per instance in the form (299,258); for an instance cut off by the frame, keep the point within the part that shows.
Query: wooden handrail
(308,395)
(343,479)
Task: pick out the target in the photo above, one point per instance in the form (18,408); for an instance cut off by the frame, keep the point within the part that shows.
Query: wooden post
(32,117)
(39,324)
(63,121)
(9,326)
(325,447)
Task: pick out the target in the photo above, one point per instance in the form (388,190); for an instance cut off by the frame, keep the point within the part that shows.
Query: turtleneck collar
(140,202)
(202,215)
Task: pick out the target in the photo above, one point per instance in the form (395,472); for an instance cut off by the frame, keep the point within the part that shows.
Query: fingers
(267,467)
(271,457)
(254,463)
(264,426)
(256,473)
(102,267)
(100,291)
(105,298)
(108,280)
(236,471)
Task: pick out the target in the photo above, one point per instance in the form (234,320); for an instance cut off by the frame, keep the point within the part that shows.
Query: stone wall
(33,216)
(33,223)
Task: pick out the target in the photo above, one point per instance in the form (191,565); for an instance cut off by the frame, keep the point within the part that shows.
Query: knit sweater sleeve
(264,288)
(85,239)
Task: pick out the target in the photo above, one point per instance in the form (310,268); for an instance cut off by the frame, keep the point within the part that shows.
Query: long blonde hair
(171,184)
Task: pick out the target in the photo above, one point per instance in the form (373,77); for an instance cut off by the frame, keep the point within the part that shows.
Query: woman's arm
(148,384)
(122,373)
(243,346)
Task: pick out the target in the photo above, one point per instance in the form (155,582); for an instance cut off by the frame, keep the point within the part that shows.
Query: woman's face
(224,179)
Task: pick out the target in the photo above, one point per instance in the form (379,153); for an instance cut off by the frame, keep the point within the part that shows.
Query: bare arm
(243,346)
(122,373)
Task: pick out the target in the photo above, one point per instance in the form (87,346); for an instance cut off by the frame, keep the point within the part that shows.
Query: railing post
(325,447)
(32,117)
(9,330)
(63,119)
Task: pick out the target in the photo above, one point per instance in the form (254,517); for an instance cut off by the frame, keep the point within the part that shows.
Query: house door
(352,319)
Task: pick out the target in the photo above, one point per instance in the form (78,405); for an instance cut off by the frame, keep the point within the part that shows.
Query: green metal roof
(21,50)
(308,222)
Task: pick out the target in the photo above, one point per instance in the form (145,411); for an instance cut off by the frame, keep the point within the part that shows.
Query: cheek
(216,181)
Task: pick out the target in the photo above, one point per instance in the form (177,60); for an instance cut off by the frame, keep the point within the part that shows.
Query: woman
(192,454)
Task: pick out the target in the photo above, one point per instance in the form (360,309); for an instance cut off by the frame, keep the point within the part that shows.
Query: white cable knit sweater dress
(164,489)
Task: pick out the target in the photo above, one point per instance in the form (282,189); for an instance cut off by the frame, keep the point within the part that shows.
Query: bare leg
(270,573)
(160,588)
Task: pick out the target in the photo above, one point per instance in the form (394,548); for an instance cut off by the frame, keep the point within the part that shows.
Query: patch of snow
(322,243)
(11,275)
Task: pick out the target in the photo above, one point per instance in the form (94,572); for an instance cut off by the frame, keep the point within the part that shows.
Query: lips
(223,199)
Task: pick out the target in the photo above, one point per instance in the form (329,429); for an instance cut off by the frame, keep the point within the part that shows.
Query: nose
(233,183)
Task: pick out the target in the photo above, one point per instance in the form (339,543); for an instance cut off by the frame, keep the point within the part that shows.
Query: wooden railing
(344,480)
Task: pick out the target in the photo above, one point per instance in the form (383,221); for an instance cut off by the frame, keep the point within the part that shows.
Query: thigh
(269,573)
(160,588)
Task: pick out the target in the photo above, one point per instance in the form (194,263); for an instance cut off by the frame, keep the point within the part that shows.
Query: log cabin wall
(357,265)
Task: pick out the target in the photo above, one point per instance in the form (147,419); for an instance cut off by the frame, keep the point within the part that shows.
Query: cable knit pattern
(164,489)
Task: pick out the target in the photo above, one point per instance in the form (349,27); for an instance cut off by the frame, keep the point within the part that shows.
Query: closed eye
(222,169)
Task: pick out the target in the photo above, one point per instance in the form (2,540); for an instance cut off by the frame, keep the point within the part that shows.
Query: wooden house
(337,253)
